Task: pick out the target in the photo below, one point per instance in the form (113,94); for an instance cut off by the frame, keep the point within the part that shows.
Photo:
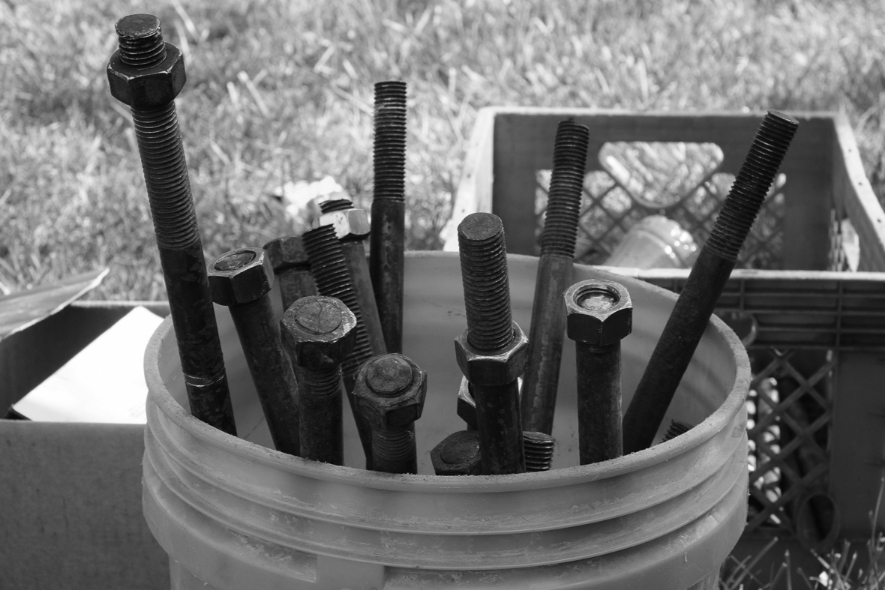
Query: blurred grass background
(281,91)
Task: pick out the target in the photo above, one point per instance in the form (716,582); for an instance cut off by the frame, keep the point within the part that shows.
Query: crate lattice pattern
(678,180)
(789,408)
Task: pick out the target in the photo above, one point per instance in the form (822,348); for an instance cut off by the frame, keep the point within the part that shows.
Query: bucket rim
(159,395)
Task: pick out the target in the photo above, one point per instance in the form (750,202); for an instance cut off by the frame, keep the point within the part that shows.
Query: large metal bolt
(389,209)
(352,228)
(599,316)
(241,280)
(333,280)
(711,270)
(147,74)
(555,271)
(457,454)
(491,351)
(289,261)
(389,393)
(319,333)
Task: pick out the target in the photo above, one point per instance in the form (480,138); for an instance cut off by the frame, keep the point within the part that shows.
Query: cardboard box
(70,494)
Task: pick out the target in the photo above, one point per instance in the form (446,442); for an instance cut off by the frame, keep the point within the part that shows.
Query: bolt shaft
(295,283)
(320,405)
(333,280)
(539,448)
(599,402)
(388,209)
(555,272)
(394,451)
(708,276)
(490,331)
(175,224)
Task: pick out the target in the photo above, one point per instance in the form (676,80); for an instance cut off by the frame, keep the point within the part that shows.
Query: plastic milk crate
(816,419)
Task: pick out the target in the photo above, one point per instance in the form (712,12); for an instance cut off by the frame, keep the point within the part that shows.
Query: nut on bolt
(349,224)
(240,276)
(147,88)
(492,369)
(611,312)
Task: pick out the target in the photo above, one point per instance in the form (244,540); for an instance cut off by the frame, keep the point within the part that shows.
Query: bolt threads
(485,280)
(390,141)
(318,383)
(676,429)
(566,189)
(333,280)
(392,446)
(752,184)
(165,175)
(141,41)
(336,205)
(538,448)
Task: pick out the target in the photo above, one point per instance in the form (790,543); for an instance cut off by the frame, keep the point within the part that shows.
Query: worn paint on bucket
(232,513)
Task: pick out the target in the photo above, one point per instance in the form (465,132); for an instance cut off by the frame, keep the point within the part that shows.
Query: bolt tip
(480,227)
(138,26)
(782,118)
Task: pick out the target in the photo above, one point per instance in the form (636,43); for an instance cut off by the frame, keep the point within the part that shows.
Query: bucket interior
(434,315)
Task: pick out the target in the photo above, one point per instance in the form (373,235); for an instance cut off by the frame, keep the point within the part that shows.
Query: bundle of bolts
(341,331)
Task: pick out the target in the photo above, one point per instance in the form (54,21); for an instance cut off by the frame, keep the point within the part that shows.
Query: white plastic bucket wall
(232,513)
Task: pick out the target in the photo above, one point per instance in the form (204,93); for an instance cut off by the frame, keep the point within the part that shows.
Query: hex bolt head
(390,391)
(492,369)
(240,276)
(598,312)
(320,331)
(287,252)
(349,224)
(457,454)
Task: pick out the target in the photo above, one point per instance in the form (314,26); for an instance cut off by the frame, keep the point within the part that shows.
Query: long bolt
(352,228)
(318,332)
(555,271)
(147,74)
(333,280)
(292,268)
(457,454)
(600,315)
(242,279)
(390,391)
(389,209)
(491,352)
(695,305)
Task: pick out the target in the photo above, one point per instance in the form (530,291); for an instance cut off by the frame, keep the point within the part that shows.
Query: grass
(282,91)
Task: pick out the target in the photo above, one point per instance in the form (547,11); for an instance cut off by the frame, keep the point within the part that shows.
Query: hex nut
(147,88)
(457,454)
(318,331)
(467,404)
(492,369)
(391,411)
(240,276)
(598,312)
(349,224)
(286,253)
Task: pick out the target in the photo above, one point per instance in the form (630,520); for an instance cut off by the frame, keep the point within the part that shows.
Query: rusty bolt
(457,454)
(289,261)
(499,368)
(240,276)
(598,312)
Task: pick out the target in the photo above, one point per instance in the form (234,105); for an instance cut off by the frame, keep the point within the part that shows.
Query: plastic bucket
(232,513)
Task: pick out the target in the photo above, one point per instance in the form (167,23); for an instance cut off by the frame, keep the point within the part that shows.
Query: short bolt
(319,333)
(290,264)
(147,74)
(491,351)
(389,393)
(457,454)
(686,324)
(352,228)
(555,271)
(599,316)
(241,280)
(389,209)
(333,280)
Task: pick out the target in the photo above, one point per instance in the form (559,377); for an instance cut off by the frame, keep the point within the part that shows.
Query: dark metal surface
(539,448)
(389,393)
(319,334)
(142,51)
(292,268)
(554,277)
(388,209)
(686,324)
(242,279)
(457,454)
(491,350)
